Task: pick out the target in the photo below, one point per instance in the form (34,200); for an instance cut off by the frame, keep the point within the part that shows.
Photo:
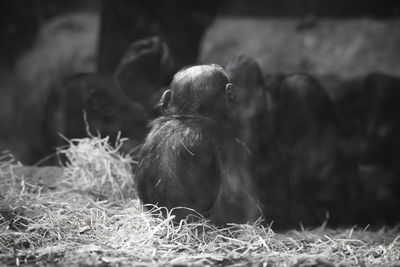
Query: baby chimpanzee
(191,157)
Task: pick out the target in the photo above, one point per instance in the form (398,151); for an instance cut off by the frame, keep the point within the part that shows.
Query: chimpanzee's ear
(230,92)
(164,101)
(100,102)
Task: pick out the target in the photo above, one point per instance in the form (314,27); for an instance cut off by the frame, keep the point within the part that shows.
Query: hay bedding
(87,213)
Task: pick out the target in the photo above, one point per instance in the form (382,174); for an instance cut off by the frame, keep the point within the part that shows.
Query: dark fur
(191,158)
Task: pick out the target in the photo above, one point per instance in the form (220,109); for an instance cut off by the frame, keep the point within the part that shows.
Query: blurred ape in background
(289,125)
(122,102)
(305,132)
(368,134)
(145,68)
(94,103)
(180,23)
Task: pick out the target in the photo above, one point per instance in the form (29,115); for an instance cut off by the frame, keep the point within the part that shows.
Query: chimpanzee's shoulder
(170,132)
(181,137)
(159,121)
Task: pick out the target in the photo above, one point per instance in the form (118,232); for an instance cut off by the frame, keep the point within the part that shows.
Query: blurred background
(44,43)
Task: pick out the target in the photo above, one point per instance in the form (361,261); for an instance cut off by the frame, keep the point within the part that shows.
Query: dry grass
(90,215)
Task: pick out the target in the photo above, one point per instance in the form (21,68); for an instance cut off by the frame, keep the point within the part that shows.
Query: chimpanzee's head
(199,90)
